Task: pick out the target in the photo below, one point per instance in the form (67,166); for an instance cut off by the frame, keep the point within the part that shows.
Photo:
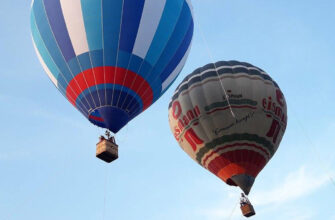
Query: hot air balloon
(112,59)
(230,118)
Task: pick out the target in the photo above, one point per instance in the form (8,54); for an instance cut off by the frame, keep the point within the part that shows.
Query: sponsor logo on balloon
(280,97)
(184,120)
(176,109)
(275,111)
(193,139)
(237,121)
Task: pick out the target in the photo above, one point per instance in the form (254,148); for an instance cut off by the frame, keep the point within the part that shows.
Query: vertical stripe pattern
(112,58)
(151,17)
(74,21)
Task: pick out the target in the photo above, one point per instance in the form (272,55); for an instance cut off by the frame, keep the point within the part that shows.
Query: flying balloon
(112,59)
(230,118)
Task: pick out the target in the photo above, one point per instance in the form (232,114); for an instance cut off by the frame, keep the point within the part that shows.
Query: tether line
(217,73)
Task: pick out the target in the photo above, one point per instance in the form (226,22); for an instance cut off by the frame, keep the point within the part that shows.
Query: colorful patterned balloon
(232,137)
(112,58)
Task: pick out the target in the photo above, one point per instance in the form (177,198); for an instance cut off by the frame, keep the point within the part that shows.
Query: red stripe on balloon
(96,118)
(109,75)
(232,163)
(234,145)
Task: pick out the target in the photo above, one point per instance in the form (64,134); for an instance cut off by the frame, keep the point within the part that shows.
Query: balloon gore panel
(230,118)
(112,59)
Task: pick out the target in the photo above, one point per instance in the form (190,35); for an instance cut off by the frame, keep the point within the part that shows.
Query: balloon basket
(247,210)
(107,149)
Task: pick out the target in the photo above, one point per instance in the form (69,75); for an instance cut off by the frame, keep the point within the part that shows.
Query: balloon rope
(67,65)
(117,54)
(232,212)
(64,78)
(157,77)
(84,77)
(95,80)
(211,57)
(105,190)
(313,147)
(103,51)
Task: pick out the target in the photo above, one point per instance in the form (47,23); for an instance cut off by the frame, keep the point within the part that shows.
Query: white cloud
(225,209)
(297,184)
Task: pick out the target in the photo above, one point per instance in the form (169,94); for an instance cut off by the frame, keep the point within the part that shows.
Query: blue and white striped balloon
(112,58)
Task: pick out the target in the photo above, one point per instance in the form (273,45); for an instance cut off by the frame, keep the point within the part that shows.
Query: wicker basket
(107,150)
(248,210)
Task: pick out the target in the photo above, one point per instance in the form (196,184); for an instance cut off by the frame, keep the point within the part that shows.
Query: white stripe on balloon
(177,70)
(74,20)
(191,7)
(45,67)
(151,16)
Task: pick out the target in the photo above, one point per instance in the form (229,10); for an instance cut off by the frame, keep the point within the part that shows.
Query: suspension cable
(313,147)
(233,211)
(216,70)
(105,191)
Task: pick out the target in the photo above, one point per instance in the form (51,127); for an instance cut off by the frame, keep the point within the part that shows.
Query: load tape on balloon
(112,59)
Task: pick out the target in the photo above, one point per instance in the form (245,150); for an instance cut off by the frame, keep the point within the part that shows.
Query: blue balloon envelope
(112,59)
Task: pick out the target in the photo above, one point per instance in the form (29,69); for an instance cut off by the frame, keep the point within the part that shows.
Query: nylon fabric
(112,56)
(236,148)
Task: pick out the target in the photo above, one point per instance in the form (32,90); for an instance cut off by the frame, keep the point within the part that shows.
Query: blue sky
(48,167)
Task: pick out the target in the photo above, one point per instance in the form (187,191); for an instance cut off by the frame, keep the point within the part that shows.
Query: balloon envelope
(112,58)
(232,137)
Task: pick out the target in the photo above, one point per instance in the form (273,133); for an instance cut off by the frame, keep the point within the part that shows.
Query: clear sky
(48,168)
